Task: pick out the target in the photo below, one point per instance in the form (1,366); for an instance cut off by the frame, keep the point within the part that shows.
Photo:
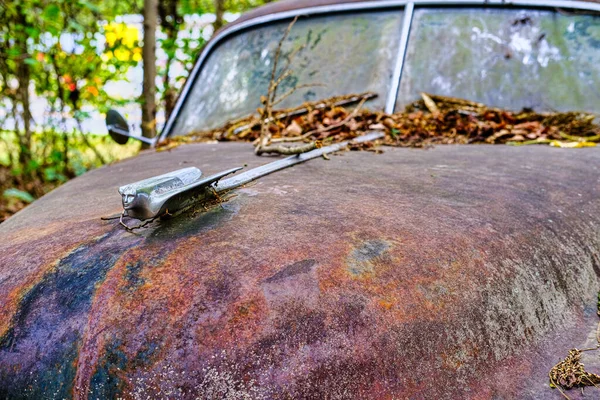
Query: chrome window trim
(395,84)
(360,6)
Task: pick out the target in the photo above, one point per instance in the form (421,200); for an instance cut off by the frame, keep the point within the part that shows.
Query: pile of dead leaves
(429,121)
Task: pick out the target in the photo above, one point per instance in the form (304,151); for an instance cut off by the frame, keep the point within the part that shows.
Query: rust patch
(363,259)
(300,267)
(297,283)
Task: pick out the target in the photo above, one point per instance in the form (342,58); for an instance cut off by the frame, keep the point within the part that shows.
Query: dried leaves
(570,373)
(461,121)
(432,120)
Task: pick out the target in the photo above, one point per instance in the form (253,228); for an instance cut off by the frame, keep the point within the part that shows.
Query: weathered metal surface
(457,272)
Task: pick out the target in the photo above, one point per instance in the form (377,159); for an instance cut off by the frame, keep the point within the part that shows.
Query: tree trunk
(170,22)
(23,78)
(169,91)
(219,11)
(149,61)
(23,93)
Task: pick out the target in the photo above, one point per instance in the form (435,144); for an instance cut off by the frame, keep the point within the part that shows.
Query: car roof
(291,5)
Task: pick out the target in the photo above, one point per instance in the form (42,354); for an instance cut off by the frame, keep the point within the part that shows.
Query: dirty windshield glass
(346,53)
(508,58)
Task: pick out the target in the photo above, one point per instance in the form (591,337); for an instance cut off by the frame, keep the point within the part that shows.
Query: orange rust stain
(244,311)
(242,329)
(171,291)
(386,305)
(25,283)
(394,284)
(50,247)
(99,325)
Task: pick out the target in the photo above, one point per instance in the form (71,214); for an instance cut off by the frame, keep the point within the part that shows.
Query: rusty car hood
(455,272)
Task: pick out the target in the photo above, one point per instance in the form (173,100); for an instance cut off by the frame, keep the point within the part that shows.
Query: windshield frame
(407,6)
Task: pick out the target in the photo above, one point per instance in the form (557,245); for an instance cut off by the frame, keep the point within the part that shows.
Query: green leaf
(53,30)
(170,52)
(89,6)
(14,193)
(82,114)
(14,52)
(56,156)
(32,165)
(51,12)
(76,26)
(51,174)
(32,31)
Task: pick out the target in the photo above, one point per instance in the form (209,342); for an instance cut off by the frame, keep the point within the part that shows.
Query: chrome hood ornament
(172,191)
(176,191)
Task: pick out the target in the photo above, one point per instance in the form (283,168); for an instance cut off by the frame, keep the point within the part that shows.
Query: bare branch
(292,55)
(285,150)
(292,90)
(281,78)
(277,55)
(267,114)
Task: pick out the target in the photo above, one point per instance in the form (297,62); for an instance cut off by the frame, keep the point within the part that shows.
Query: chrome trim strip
(255,173)
(372,5)
(395,85)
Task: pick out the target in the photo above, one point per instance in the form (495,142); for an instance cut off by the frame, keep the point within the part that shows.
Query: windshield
(344,54)
(544,60)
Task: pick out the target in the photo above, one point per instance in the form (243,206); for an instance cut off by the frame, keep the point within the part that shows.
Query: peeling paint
(364,281)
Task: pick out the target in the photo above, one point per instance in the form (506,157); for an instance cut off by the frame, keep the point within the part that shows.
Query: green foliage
(18,194)
(66,51)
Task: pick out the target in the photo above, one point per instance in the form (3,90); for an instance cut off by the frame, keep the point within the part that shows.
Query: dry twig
(139,226)
(288,150)
(266,114)
(271,99)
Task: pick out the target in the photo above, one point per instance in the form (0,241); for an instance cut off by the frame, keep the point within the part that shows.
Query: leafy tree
(65,52)
(57,50)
